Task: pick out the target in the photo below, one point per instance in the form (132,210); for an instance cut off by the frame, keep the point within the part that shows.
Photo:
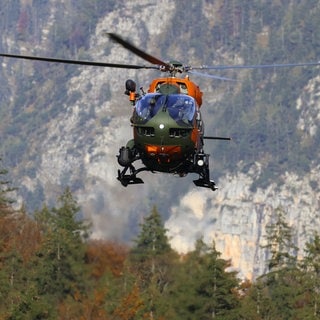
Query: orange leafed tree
(19,233)
(130,305)
(106,256)
(85,307)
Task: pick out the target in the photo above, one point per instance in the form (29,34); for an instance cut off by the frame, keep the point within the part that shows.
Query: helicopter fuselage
(167,131)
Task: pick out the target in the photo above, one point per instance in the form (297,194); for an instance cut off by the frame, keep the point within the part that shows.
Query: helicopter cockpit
(180,107)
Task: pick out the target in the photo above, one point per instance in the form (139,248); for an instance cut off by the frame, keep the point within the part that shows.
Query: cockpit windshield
(148,106)
(180,107)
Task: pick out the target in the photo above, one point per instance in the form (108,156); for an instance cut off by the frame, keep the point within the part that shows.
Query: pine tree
(280,288)
(280,242)
(5,190)
(59,267)
(219,285)
(151,244)
(203,289)
(151,259)
(311,270)
(152,239)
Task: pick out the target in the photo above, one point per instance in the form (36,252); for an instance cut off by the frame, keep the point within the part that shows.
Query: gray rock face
(236,218)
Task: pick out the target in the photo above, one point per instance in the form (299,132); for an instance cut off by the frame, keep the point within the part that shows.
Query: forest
(50,268)
(258,111)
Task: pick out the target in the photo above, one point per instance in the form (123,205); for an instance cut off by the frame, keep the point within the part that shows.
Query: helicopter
(168,128)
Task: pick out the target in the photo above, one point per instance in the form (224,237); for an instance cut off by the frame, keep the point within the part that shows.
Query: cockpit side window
(183,88)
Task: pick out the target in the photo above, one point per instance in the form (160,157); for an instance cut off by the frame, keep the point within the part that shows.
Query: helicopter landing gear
(125,158)
(127,179)
(202,167)
(205,183)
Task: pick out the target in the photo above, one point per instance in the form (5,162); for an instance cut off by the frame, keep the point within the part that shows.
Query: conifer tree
(59,268)
(203,289)
(152,239)
(5,189)
(311,270)
(220,285)
(280,242)
(151,244)
(280,288)
(151,259)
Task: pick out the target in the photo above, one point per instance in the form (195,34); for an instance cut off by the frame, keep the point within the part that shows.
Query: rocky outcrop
(236,218)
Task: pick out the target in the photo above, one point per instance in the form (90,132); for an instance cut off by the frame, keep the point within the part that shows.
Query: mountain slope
(63,125)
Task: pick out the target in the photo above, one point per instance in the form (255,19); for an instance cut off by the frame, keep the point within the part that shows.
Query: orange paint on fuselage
(185,85)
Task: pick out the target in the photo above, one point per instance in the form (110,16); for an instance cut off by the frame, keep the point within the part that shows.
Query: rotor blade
(136,50)
(216,138)
(210,76)
(78,62)
(259,66)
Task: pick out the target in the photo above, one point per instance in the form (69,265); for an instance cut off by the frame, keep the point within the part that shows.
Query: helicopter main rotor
(78,62)
(172,68)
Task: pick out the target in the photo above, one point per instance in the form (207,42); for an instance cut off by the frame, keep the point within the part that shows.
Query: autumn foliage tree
(106,256)
(130,305)
(19,239)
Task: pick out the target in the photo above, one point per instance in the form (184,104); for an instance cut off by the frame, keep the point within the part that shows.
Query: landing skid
(206,184)
(127,179)
(131,178)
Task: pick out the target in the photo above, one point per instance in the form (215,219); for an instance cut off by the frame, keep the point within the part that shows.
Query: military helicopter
(168,129)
